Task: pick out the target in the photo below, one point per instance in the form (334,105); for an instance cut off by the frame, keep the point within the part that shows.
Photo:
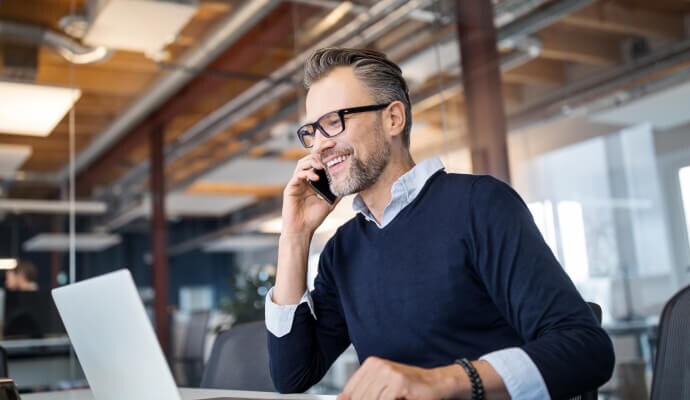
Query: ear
(395,118)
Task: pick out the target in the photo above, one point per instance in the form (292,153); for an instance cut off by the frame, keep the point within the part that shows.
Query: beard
(364,173)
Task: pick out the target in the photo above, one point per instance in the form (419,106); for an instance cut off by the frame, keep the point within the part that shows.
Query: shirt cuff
(279,318)
(519,373)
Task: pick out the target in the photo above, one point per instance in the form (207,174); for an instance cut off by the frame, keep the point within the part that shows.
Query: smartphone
(321,187)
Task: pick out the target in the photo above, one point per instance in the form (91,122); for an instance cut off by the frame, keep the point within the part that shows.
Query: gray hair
(382,77)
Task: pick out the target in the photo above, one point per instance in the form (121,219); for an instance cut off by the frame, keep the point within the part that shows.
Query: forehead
(339,89)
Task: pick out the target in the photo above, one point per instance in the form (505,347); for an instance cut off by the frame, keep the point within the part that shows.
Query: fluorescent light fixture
(237,243)
(144,25)
(34,110)
(84,242)
(12,157)
(8,263)
(52,206)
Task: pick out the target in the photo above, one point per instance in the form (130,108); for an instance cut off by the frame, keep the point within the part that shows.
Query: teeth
(336,161)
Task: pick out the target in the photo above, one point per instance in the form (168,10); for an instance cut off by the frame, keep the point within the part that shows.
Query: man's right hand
(303,210)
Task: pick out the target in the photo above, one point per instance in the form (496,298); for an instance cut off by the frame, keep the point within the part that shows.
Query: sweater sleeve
(299,359)
(534,294)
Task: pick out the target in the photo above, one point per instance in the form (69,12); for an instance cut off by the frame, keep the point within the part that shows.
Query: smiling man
(441,281)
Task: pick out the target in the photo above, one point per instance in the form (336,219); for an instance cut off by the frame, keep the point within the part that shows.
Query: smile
(337,160)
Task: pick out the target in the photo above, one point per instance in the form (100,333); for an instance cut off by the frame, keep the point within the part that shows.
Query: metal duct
(67,47)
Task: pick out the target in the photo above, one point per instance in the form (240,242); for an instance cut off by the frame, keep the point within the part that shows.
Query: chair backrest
(671,378)
(239,360)
(592,394)
(196,335)
(4,373)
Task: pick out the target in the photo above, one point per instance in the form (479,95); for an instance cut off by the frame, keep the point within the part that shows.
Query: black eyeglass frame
(301,132)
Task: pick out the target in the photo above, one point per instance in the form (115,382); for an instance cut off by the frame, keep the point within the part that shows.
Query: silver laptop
(114,340)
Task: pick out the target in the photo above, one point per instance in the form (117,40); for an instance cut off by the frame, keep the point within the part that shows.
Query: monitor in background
(30,314)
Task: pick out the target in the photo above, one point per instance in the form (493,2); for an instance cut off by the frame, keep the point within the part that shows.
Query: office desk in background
(187,394)
(41,363)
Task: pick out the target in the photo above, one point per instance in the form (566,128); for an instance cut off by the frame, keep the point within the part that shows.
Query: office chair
(671,378)
(192,358)
(4,372)
(239,360)
(592,394)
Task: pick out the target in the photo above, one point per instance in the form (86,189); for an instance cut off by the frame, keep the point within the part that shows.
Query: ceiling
(227,95)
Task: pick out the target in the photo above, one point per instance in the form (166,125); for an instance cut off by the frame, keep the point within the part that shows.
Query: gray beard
(363,174)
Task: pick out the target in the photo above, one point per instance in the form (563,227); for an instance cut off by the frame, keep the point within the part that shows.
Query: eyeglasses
(331,124)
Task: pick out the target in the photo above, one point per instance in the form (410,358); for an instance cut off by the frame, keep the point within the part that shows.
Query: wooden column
(159,235)
(481,77)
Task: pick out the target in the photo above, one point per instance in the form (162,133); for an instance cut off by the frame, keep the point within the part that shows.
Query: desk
(644,330)
(187,394)
(41,362)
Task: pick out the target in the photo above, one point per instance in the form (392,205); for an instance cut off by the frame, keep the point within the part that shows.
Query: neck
(378,195)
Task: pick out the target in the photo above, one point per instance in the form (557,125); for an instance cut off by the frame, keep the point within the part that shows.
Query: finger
(308,162)
(352,383)
(371,384)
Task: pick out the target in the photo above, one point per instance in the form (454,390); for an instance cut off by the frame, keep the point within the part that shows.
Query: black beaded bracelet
(477,387)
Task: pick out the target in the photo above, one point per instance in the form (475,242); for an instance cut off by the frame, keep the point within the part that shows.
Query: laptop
(114,340)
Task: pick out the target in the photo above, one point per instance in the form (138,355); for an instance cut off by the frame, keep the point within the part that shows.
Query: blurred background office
(157,135)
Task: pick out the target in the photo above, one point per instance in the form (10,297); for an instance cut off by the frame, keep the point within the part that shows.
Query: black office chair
(239,360)
(4,372)
(671,378)
(592,394)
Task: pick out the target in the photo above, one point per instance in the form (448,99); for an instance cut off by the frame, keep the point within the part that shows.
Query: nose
(321,143)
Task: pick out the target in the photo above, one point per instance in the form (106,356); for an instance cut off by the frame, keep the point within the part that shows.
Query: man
(435,269)
(22,277)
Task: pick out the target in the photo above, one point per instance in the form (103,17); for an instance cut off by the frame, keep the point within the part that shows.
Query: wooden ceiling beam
(608,16)
(234,189)
(537,72)
(120,60)
(93,79)
(580,46)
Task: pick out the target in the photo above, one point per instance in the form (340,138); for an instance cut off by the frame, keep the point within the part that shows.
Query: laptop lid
(114,340)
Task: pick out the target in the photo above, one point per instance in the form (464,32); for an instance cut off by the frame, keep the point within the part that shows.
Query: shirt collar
(403,191)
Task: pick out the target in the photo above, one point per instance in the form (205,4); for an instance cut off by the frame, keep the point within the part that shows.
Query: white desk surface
(187,394)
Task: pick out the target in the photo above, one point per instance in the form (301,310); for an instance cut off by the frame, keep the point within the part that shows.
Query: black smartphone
(321,186)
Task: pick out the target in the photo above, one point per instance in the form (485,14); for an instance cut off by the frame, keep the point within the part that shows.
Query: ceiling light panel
(137,25)
(34,110)
(84,242)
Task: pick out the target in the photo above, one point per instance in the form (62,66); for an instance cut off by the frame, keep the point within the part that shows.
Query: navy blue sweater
(460,272)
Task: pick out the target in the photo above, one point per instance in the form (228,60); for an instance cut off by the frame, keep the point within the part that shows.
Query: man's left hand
(382,379)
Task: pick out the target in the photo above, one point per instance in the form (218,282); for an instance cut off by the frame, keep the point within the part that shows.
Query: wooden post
(159,236)
(482,86)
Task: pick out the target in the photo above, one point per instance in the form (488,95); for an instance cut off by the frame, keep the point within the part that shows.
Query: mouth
(335,162)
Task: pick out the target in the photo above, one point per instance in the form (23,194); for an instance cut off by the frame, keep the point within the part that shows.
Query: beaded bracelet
(477,387)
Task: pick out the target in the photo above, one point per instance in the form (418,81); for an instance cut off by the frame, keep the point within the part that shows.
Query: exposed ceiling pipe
(530,24)
(576,96)
(70,49)
(417,15)
(227,32)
